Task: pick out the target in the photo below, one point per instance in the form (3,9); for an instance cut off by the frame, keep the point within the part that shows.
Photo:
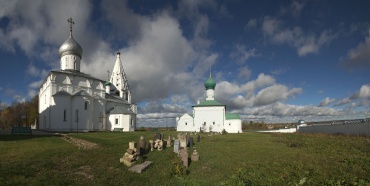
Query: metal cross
(71,23)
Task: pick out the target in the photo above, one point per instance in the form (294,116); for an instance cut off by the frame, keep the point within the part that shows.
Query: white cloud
(274,94)
(241,54)
(305,44)
(364,92)
(343,101)
(244,73)
(297,7)
(326,102)
(252,23)
(359,57)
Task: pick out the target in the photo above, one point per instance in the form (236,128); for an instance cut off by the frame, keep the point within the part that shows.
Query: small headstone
(184,157)
(176,146)
(198,139)
(162,137)
(195,156)
(142,145)
(190,142)
(158,144)
(151,145)
(183,142)
(169,141)
(132,145)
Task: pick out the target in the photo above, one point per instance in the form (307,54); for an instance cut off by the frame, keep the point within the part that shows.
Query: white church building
(70,100)
(209,115)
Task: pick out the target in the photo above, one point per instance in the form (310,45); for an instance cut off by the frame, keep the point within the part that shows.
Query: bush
(223,131)
(177,168)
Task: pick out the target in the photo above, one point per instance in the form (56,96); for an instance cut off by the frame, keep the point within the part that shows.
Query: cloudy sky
(272,60)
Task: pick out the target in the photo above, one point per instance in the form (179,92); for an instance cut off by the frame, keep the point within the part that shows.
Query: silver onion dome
(70,46)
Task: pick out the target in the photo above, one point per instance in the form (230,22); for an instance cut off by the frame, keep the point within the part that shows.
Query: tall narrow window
(65,115)
(86,103)
(116,121)
(76,115)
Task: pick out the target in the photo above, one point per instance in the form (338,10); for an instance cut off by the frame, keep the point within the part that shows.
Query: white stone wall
(91,118)
(204,117)
(233,126)
(185,123)
(122,121)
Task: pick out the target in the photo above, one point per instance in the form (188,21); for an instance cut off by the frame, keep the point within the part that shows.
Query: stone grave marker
(182,139)
(141,167)
(190,142)
(176,146)
(184,157)
(195,156)
(142,145)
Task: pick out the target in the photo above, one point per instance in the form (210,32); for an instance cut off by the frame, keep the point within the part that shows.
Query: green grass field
(231,159)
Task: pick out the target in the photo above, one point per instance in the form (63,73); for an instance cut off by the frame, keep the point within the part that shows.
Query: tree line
(261,125)
(19,113)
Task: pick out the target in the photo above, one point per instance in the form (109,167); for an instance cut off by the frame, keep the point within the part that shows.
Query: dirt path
(80,143)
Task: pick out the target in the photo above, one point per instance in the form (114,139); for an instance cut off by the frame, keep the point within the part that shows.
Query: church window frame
(86,104)
(186,123)
(214,123)
(116,121)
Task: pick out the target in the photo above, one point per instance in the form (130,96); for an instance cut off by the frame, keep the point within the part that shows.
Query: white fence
(346,128)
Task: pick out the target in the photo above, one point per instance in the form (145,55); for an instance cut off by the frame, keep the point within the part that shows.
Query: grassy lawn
(231,159)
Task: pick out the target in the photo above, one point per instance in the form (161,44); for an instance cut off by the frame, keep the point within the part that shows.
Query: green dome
(107,83)
(210,83)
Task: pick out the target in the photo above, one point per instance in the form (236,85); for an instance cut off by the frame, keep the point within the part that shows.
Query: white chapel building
(209,115)
(70,100)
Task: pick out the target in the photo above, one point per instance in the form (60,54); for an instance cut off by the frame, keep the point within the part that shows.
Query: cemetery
(184,158)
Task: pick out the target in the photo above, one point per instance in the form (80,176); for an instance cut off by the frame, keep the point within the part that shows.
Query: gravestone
(198,139)
(141,167)
(176,146)
(182,139)
(190,142)
(142,145)
(158,144)
(184,157)
(162,136)
(195,156)
(151,145)
(169,141)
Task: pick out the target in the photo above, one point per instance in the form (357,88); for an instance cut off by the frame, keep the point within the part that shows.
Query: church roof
(81,93)
(121,109)
(208,103)
(210,83)
(232,116)
(70,46)
(62,93)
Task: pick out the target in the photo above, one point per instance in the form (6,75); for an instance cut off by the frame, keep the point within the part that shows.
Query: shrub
(177,168)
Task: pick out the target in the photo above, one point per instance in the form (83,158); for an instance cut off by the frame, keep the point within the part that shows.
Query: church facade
(70,100)
(209,115)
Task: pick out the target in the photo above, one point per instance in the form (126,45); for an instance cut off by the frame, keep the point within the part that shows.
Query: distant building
(209,115)
(70,100)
